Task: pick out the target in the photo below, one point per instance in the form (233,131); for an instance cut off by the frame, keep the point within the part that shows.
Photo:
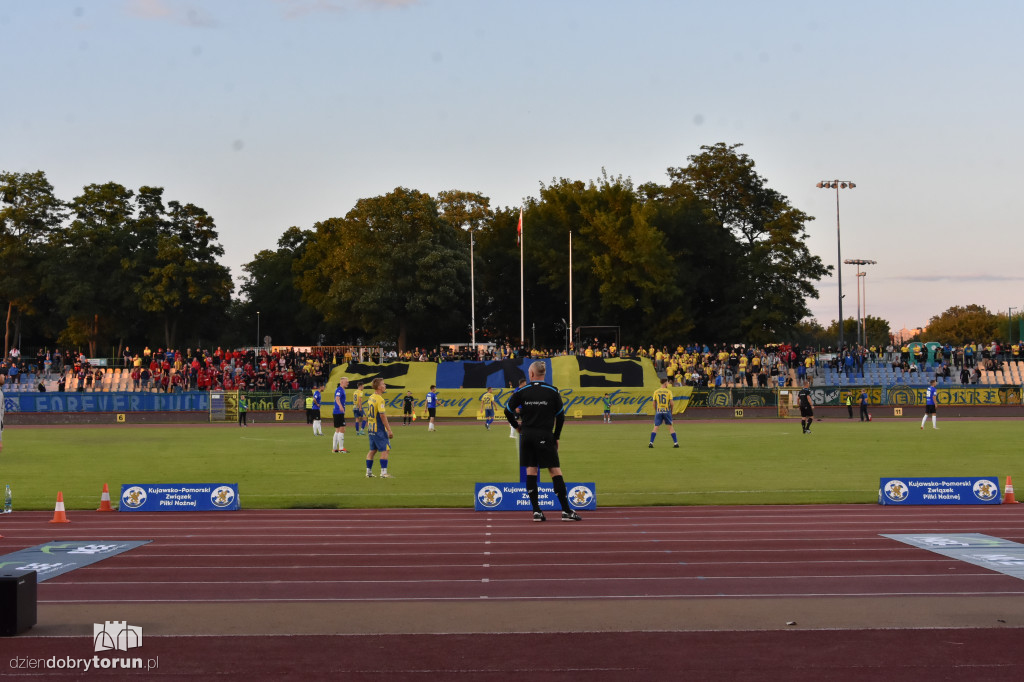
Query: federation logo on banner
(489,496)
(223,496)
(134,497)
(581,496)
(985,490)
(897,491)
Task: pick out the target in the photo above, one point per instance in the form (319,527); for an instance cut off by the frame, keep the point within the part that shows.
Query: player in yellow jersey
(358,413)
(663,412)
(378,430)
(487,401)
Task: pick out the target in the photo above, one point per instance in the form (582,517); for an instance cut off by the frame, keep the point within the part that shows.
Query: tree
(961,325)
(778,270)
(392,267)
(89,282)
(270,287)
(467,212)
(185,282)
(29,213)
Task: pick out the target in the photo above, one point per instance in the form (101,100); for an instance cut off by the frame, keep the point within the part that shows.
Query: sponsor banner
(60,556)
(179,497)
(990,395)
(939,490)
(513,496)
(191,401)
(995,554)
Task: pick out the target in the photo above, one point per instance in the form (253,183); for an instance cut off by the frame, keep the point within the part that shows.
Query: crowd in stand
(700,365)
(172,370)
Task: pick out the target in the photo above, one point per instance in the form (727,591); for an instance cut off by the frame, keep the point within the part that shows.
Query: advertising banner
(56,558)
(513,496)
(939,490)
(179,497)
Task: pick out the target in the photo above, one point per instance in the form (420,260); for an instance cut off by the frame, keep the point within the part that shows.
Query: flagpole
(522,285)
(570,286)
(472,294)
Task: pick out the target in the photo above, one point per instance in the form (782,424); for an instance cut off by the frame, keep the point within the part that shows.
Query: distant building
(907,334)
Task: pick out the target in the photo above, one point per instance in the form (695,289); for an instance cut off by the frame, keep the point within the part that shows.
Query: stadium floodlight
(862,332)
(837,185)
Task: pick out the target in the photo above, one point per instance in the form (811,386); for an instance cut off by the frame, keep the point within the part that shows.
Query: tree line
(110,266)
(712,254)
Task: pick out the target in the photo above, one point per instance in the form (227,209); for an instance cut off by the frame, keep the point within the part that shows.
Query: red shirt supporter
(202,380)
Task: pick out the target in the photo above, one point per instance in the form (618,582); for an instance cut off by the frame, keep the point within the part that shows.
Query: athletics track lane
(667,582)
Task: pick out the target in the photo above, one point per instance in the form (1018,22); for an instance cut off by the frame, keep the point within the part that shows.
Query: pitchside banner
(513,496)
(939,490)
(179,497)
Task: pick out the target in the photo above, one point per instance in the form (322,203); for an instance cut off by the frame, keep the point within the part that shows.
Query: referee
(539,424)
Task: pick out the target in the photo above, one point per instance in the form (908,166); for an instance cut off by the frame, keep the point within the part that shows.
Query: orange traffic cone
(1008,495)
(58,512)
(105,499)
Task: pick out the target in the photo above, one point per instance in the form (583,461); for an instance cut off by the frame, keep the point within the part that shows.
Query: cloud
(171,11)
(299,8)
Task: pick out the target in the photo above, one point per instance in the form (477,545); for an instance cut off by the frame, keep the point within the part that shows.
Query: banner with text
(179,497)
(513,496)
(939,490)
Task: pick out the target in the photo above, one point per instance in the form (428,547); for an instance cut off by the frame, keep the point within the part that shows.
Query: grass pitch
(284,466)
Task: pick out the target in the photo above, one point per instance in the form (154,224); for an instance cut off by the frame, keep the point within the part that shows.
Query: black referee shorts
(537,449)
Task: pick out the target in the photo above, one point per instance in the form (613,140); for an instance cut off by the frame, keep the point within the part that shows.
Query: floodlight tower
(862,332)
(837,185)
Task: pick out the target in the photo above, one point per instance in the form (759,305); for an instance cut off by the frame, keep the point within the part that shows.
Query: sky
(274,113)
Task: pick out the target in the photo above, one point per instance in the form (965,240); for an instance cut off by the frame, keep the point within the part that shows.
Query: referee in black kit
(542,417)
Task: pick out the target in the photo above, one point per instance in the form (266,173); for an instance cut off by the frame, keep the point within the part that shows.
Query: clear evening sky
(272,113)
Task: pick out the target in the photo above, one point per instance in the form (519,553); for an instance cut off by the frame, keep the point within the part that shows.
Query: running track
(689,593)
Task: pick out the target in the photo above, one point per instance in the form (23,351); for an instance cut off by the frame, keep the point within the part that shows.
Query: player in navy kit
(929,404)
(432,408)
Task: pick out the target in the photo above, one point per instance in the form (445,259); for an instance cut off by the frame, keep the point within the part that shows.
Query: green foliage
(390,266)
(29,213)
(961,325)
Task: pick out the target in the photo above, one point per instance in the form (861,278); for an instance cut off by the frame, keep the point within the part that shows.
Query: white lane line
(559,597)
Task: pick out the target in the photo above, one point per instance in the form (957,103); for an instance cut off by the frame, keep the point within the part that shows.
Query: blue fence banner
(179,497)
(939,490)
(513,496)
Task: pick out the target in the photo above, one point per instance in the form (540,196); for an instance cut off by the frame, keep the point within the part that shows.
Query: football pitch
(285,466)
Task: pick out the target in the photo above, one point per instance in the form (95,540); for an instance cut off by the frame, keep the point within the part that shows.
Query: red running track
(670,582)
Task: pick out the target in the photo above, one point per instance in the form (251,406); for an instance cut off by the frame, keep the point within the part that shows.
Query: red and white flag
(519,229)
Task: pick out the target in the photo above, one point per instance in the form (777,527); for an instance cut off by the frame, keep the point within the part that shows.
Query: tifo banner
(581,402)
(60,556)
(995,554)
(939,490)
(179,497)
(513,496)
(397,375)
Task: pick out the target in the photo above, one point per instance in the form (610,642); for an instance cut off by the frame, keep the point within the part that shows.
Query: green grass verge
(284,466)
